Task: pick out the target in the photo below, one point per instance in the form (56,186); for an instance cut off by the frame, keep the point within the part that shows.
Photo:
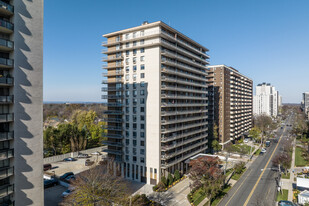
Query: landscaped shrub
(164,181)
(239,167)
(170,179)
(154,188)
(176,175)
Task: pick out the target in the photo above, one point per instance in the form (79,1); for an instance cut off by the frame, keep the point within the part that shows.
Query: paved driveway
(52,195)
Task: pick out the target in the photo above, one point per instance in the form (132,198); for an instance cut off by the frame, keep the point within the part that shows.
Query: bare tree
(98,186)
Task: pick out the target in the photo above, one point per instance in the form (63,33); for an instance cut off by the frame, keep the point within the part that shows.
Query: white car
(246,140)
(66,193)
(96,153)
(263,150)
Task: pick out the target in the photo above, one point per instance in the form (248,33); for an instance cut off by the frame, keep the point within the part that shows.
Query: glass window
(134,143)
(127,141)
(127,93)
(142,66)
(127,36)
(127,69)
(134,93)
(142,58)
(134,126)
(134,118)
(127,60)
(127,118)
(134,151)
(134,43)
(142,134)
(128,125)
(142,117)
(127,134)
(142,50)
(127,110)
(127,77)
(127,53)
(118,38)
(117,47)
(142,84)
(142,41)
(134,101)
(134,68)
(134,135)
(134,35)
(134,110)
(134,52)
(142,160)
(142,33)
(134,157)
(142,143)
(134,77)
(142,75)
(127,101)
(142,92)
(127,157)
(142,109)
(127,150)
(134,60)
(142,101)
(127,86)
(128,44)
(142,126)
(134,85)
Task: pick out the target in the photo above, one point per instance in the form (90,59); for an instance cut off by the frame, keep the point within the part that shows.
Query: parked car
(83,156)
(96,153)
(69,159)
(47,167)
(66,193)
(285,203)
(65,175)
(88,162)
(50,183)
(263,150)
(71,177)
(246,140)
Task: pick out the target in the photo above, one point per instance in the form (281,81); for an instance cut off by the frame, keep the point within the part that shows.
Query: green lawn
(257,152)
(283,176)
(237,176)
(299,160)
(242,149)
(220,196)
(198,196)
(283,196)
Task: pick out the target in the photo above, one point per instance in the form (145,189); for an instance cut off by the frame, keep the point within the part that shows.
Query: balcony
(182,89)
(186,134)
(117,120)
(107,89)
(115,112)
(179,128)
(182,143)
(112,58)
(112,96)
(167,113)
(183,81)
(113,104)
(113,128)
(6,99)
(6,117)
(179,96)
(183,119)
(185,67)
(113,73)
(6,27)
(6,45)
(114,136)
(6,9)
(110,143)
(202,104)
(111,151)
(6,136)
(6,63)
(112,81)
(6,172)
(5,154)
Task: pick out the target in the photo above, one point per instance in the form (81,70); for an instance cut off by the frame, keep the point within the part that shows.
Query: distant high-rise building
(157,100)
(230,102)
(21,115)
(266,100)
(305,103)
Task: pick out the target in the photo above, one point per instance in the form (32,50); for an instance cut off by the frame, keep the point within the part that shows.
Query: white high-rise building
(266,100)
(156,94)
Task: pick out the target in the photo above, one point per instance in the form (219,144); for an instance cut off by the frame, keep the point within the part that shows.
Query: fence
(58,158)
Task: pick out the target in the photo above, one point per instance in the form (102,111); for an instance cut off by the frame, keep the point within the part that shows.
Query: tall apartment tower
(266,100)
(21,102)
(156,98)
(230,102)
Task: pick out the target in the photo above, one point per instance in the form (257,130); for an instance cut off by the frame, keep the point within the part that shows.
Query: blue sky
(267,41)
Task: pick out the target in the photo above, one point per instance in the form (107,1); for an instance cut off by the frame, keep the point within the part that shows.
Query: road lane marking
(257,182)
(238,188)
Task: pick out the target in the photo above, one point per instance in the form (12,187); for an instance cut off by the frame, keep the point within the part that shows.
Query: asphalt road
(255,188)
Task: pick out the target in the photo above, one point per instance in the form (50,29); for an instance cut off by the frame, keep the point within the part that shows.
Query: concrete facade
(156,97)
(21,88)
(266,100)
(230,100)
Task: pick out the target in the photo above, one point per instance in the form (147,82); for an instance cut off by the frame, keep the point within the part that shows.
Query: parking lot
(52,195)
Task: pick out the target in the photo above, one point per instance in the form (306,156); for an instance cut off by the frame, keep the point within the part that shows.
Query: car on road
(69,159)
(263,150)
(285,203)
(65,175)
(50,183)
(47,167)
(83,156)
(267,143)
(66,193)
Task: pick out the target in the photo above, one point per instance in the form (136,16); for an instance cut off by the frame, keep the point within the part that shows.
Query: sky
(267,41)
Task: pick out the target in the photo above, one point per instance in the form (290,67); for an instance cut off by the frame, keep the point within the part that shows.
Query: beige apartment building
(230,102)
(156,94)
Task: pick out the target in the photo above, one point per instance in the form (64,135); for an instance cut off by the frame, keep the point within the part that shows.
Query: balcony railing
(112,120)
(106,89)
(6,6)
(112,96)
(116,136)
(6,136)
(6,62)
(185,134)
(6,190)
(6,99)
(111,151)
(5,154)
(6,43)
(6,25)
(110,143)
(116,112)
(113,104)
(6,172)
(6,117)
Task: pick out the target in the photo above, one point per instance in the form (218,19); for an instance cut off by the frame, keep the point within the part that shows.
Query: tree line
(82,131)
